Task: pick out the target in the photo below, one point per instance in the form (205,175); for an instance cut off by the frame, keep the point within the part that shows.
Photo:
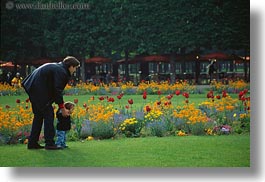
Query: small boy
(63,125)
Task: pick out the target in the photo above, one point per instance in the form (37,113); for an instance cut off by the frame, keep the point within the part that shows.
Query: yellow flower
(90,138)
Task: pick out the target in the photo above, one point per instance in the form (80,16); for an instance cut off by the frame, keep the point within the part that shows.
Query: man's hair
(71,61)
(68,105)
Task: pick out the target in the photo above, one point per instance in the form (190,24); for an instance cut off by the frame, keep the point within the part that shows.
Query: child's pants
(61,138)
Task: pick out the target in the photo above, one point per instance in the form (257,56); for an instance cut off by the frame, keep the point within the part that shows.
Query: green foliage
(102,130)
(138,27)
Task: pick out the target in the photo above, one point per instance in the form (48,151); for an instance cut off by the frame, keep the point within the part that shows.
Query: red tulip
(159,92)
(84,105)
(27,100)
(177,92)
(245,91)
(144,96)
(147,108)
(218,97)
(7,106)
(18,101)
(186,95)
(101,98)
(111,99)
(169,96)
(127,107)
(119,97)
(241,94)
(210,94)
(224,93)
(130,101)
(75,101)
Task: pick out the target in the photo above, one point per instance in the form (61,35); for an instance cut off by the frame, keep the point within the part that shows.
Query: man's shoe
(35,146)
(52,147)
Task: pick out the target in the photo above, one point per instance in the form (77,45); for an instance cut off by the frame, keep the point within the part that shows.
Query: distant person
(45,86)
(108,77)
(8,78)
(212,69)
(16,81)
(63,125)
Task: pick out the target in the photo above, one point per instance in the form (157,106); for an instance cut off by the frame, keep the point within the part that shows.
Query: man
(45,86)
(212,69)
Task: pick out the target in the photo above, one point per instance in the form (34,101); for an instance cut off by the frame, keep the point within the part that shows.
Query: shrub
(102,130)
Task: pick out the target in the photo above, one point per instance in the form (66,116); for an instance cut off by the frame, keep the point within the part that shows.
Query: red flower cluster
(119,96)
(110,99)
(169,96)
(186,95)
(241,95)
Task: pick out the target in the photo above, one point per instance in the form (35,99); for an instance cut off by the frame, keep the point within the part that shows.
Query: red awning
(122,61)
(8,65)
(151,58)
(164,58)
(216,55)
(98,60)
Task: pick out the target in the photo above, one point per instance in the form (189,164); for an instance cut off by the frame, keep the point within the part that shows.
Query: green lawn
(188,151)
(138,100)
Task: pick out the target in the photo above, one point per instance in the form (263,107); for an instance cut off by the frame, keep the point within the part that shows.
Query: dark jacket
(212,69)
(45,85)
(63,123)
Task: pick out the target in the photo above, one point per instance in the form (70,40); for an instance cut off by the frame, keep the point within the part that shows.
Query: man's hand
(65,112)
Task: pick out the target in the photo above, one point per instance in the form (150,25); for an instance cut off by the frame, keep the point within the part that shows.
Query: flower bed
(108,118)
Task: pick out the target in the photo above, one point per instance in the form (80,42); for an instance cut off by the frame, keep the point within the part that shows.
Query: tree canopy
(119,26)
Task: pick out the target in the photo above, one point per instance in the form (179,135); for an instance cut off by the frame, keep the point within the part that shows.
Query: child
(63,125)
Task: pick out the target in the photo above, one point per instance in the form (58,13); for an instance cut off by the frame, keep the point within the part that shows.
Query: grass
(189,151)
(138,100)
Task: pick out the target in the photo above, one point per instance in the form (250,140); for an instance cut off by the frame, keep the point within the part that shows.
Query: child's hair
(68,105)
